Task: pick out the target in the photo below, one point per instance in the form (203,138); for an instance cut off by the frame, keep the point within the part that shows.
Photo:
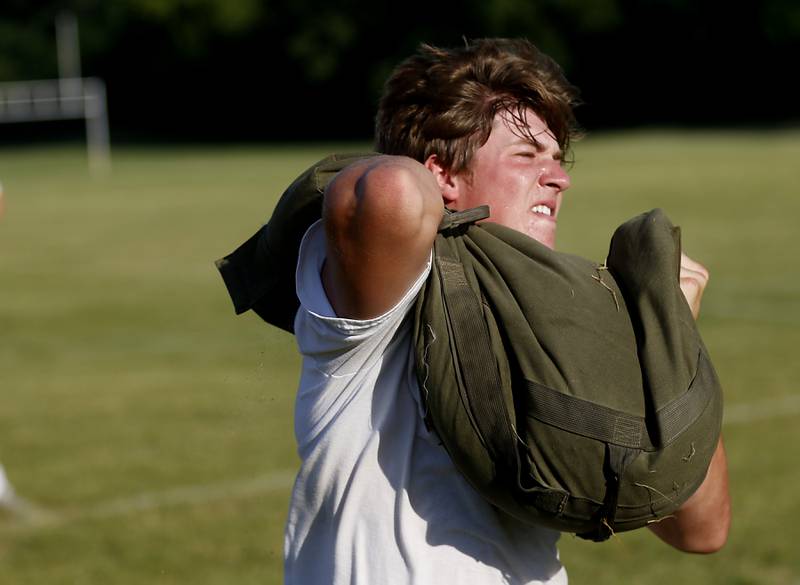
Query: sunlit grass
(123,370)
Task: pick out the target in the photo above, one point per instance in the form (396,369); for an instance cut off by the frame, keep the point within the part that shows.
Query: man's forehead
(526,125)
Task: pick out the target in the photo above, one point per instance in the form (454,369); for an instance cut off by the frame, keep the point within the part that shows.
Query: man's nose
(554,176)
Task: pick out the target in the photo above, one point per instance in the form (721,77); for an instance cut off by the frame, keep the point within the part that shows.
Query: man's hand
(693,278)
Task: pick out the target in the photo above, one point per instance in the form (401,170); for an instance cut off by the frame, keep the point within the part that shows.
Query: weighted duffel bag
(570,394)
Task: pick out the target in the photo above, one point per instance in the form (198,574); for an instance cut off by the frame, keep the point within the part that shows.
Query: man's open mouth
(542,210)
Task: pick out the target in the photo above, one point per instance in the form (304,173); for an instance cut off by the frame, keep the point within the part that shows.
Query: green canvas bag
(582,397)
(569,394)
(259,274)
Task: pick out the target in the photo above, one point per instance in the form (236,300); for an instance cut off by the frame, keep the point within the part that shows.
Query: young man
(377,499)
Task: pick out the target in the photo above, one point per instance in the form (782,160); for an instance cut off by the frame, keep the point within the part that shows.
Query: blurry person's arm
(702,523)
(381,216)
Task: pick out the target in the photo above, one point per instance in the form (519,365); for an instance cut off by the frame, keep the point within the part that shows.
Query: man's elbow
(717,536)
(702,524)
(707,537)
(710,542)
(403,198)
(704,533)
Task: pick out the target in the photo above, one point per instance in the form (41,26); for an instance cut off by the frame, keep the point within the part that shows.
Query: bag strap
(452,219)
(476,364)
(615,427)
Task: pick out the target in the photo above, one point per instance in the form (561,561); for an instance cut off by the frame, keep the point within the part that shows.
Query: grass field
(151,430)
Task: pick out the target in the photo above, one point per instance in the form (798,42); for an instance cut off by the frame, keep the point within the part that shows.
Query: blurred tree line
(306,69)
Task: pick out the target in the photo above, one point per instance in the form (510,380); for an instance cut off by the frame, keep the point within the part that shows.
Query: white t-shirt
(377,500)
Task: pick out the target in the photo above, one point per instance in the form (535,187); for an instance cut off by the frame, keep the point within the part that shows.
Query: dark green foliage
(307,69)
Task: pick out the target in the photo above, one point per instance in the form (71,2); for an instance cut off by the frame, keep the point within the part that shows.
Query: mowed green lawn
(150,430)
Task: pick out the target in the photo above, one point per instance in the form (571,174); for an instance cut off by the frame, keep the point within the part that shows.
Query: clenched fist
(694,278)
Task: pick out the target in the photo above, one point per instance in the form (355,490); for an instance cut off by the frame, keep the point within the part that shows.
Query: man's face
(521,182)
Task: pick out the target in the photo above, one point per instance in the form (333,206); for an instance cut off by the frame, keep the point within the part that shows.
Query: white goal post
(62,99)
(69,97)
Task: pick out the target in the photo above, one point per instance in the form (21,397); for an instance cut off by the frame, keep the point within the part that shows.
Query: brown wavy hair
(443,101)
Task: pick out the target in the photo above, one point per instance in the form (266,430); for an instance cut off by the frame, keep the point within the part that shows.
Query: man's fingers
(692,265)
(693,280)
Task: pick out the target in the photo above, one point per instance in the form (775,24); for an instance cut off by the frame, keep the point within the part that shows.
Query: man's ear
(447,183)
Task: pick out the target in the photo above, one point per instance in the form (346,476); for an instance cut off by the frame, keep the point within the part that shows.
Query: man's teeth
(543,209)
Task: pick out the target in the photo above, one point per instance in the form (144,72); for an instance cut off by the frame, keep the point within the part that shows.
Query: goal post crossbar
(67,98)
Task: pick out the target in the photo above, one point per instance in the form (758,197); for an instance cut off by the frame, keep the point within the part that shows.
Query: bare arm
(380,218)
(702,523)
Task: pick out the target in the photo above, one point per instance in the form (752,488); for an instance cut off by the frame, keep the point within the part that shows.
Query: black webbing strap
(452,219)
(616,462)
(588,419)
(476,362)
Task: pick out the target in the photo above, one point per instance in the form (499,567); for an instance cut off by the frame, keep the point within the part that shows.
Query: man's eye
(527,154)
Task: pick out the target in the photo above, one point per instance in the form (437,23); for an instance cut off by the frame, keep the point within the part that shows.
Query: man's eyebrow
(527,142)
(558,155)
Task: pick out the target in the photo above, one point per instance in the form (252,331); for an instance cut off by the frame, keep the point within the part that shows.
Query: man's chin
(541,230)
(545,235)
